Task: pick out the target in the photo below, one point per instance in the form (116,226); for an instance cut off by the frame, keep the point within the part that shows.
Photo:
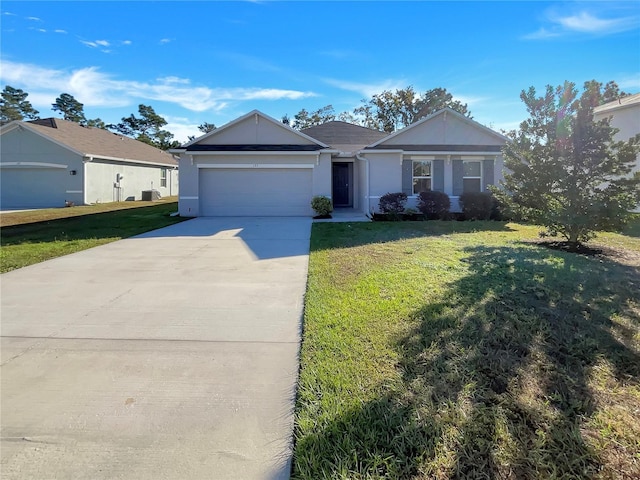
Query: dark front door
(342,175)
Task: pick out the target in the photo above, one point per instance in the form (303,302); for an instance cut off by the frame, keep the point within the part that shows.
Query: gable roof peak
(444,112)
(245,117)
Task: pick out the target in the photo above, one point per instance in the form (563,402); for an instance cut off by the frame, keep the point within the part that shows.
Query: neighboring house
(52,162)
(255,165)
(625,116)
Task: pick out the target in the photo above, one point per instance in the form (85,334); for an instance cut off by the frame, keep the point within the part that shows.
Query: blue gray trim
(437,176)
(458,176)
(407,176)
(488,174)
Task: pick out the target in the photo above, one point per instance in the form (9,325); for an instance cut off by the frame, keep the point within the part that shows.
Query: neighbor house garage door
(255,192)
(32,187)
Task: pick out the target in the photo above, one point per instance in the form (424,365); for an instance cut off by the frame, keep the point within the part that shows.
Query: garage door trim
(257,165)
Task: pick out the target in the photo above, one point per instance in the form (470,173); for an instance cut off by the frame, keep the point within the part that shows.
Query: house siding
(102,177)
(33,186)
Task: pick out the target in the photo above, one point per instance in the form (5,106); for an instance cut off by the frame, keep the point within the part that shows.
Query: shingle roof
(249,147)
(98,142)
(620,103)
(344,136)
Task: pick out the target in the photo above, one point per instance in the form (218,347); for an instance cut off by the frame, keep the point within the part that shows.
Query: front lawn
(36,236)
(465,350)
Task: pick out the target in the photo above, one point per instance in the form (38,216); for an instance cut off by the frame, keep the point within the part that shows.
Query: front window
(472,176)
(421,176)
(163,177)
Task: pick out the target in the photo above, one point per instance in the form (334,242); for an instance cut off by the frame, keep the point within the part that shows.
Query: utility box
(151,195)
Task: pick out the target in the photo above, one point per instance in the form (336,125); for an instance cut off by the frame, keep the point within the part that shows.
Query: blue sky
(214,61)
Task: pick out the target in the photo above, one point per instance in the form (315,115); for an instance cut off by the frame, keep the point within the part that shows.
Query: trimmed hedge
(434,205)
(393,203)
(476,205)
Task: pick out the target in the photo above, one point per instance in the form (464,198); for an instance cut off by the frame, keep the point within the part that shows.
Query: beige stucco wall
(102,175)
(627,120)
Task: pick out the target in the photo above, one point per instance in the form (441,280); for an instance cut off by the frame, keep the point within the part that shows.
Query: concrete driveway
(171,355)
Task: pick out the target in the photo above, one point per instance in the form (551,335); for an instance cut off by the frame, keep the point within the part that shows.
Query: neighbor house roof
(96,142)
(623,102)
(344,136)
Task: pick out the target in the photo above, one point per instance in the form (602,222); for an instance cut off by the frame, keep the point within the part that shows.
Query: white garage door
(246,192)
(32,187)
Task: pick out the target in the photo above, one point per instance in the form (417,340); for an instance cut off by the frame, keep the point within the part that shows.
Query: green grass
(463,350)
(27,241)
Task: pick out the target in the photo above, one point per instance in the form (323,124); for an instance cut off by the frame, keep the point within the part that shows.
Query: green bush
(434,205)
(322,205)
(476,205)
(393,203)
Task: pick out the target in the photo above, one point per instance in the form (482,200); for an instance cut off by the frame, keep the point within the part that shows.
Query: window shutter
(437,176)
(488,173)
(458,174)
(407,176)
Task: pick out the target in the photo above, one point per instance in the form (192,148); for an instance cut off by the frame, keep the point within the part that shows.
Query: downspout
(84,179)
(367,185)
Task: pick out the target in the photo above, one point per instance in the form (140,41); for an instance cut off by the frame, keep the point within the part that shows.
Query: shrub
(322,205)
(393,203)
(476,205)
(434,205)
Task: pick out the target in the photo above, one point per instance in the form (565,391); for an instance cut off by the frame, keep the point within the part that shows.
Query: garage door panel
(32,187)
(255,192)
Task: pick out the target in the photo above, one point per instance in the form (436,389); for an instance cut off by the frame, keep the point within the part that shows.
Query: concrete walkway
(172,355)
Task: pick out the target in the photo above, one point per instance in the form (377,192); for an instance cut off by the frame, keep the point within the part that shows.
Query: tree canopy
(304,119)
(70,108)
(15,106)
(386,111)
(567,172)
(146,128)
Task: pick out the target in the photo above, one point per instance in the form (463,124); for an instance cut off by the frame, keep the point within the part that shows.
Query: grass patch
(466,350)
(9,218)
(34,241)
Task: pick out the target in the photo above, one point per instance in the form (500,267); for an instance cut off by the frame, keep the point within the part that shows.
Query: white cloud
(34,19)
(126,42)
(582,22)
(470,100)
(630,82)
(95,88)
(585,22)
(164,41)
(60,31)
(181,128)
(98,44)
(366,89)
(542,34)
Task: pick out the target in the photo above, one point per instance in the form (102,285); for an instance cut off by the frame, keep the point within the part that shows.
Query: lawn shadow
(495,376)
